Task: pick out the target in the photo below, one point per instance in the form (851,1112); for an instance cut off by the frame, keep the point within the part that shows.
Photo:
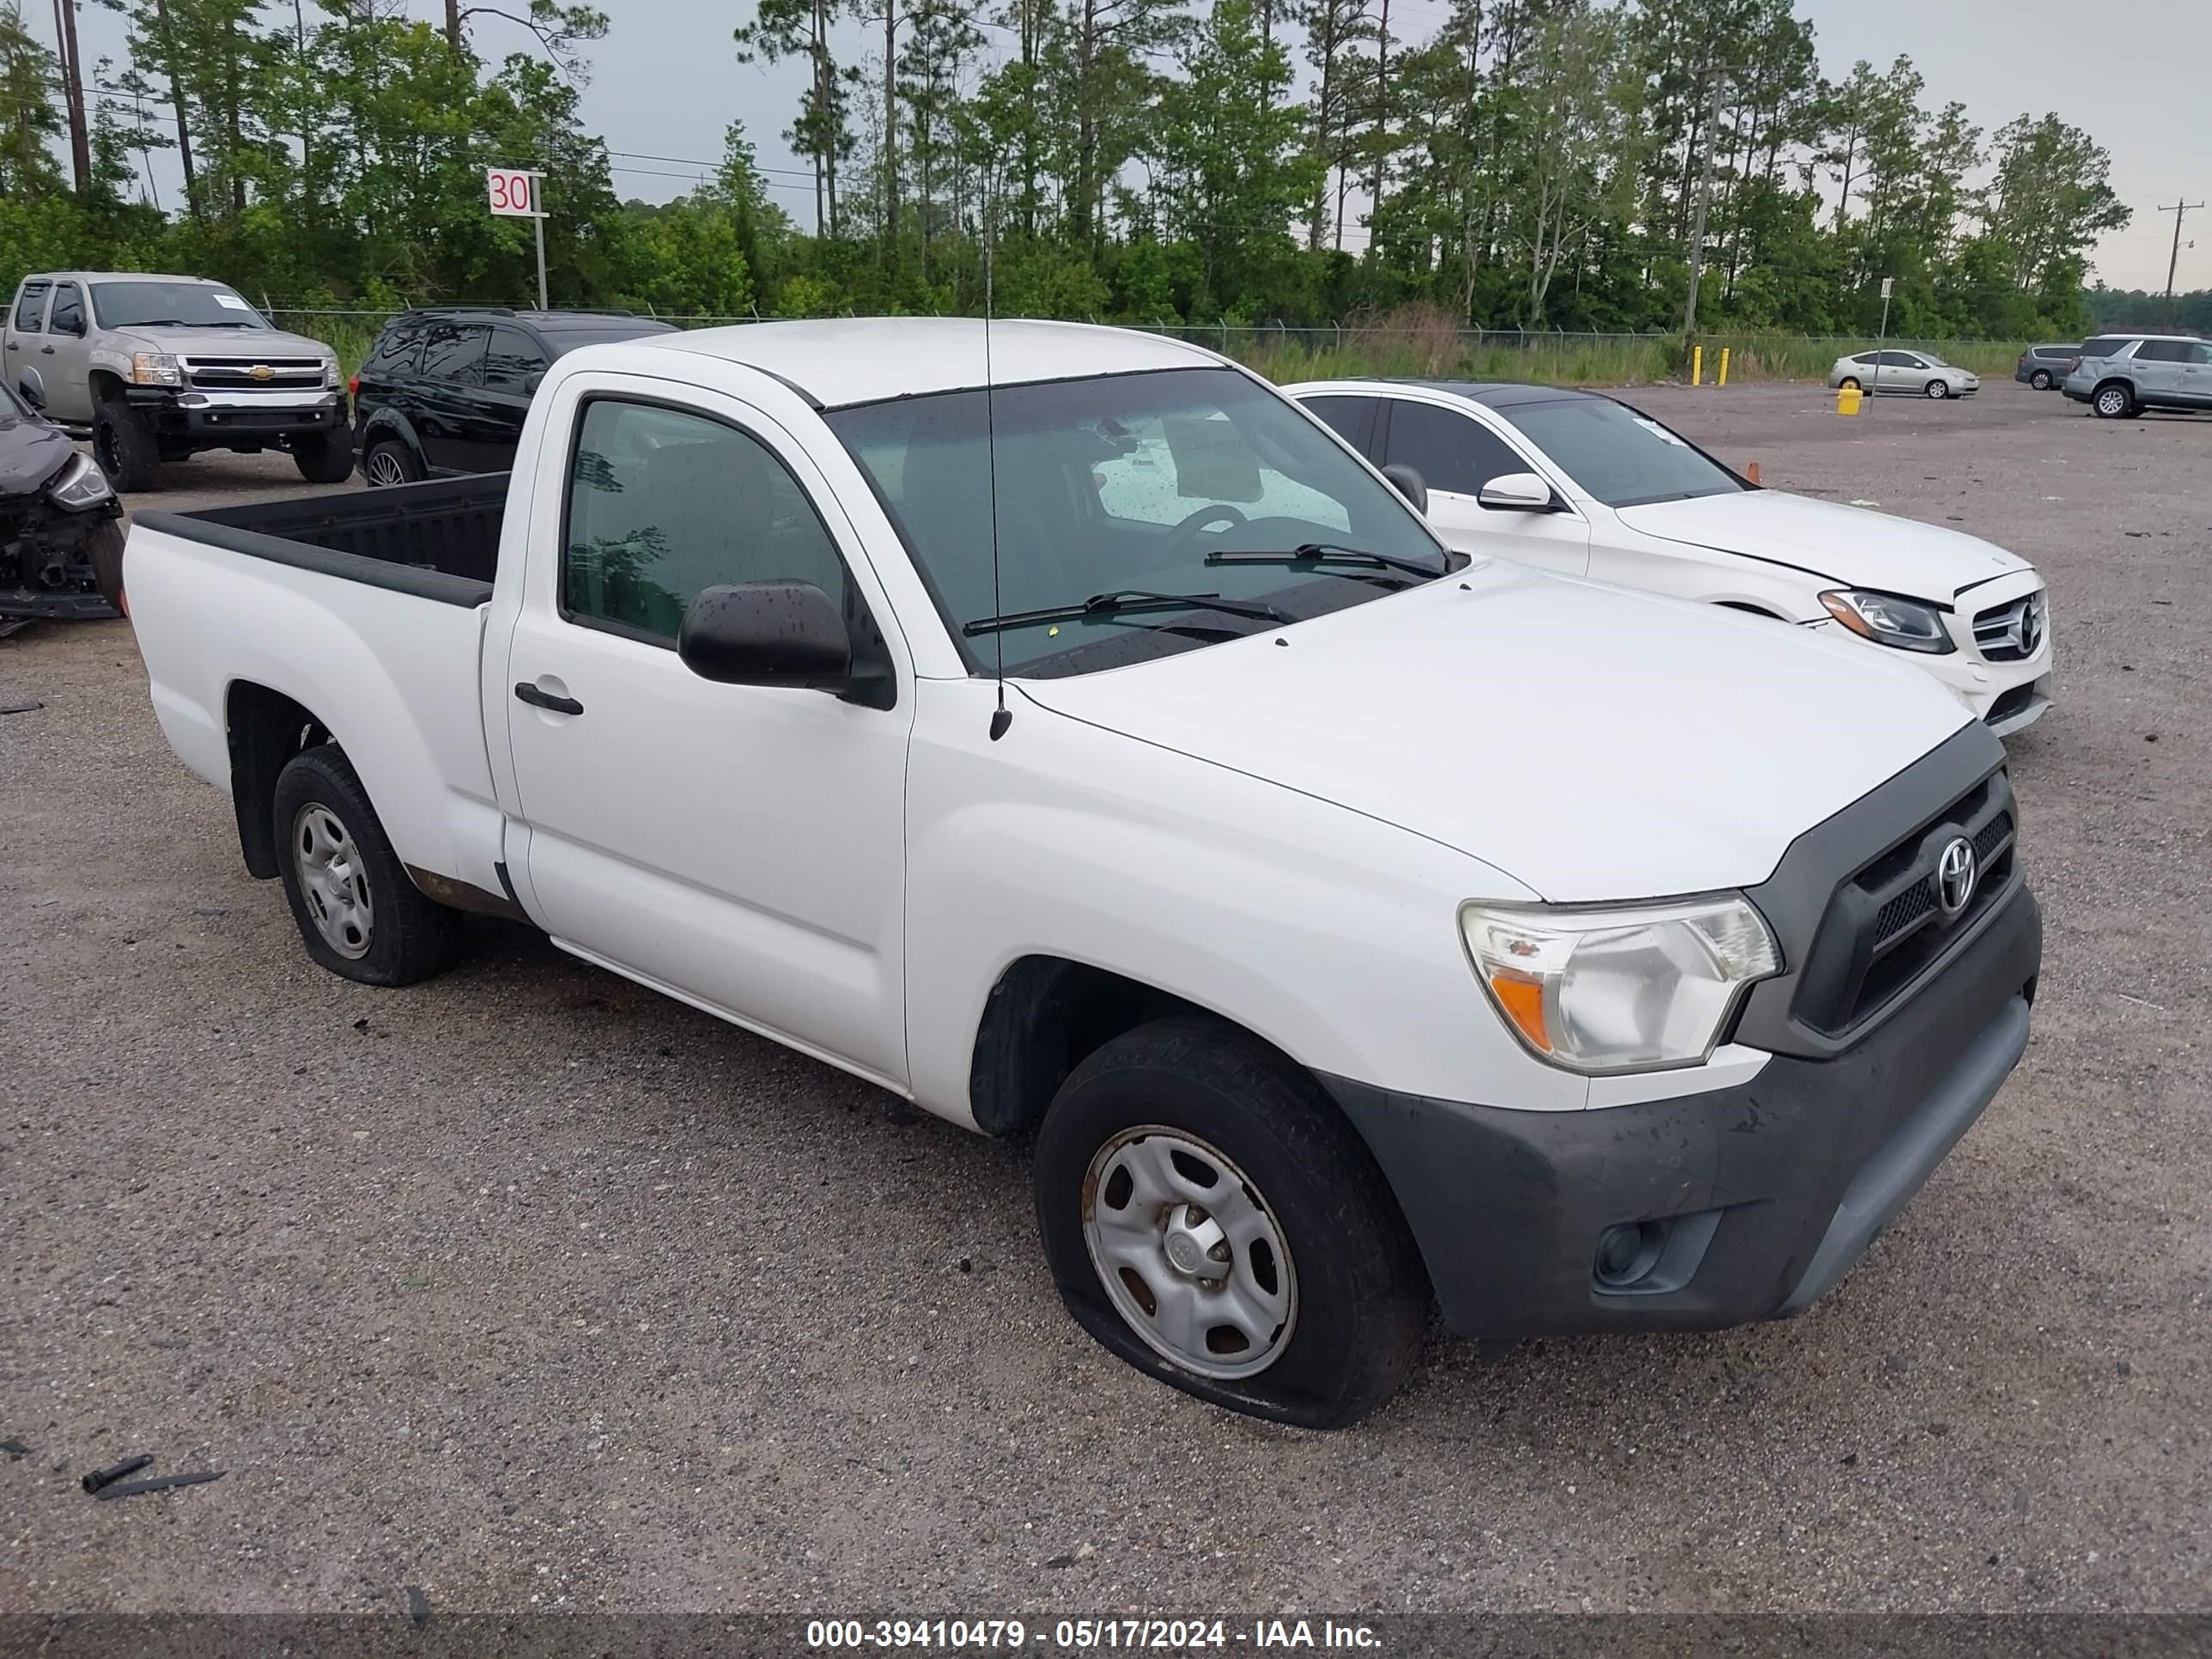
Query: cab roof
(840,362)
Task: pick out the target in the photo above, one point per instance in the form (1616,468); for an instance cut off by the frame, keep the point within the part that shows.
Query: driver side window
(662,503)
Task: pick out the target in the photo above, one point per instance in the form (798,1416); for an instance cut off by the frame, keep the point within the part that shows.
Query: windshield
(157,304)
(1621,458)
(11,406)
(1125,482)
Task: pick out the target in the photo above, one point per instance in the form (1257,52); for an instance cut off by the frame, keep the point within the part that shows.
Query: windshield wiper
(1326,553)
(1122,600)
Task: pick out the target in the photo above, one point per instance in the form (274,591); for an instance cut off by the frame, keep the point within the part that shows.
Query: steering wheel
(1184,537)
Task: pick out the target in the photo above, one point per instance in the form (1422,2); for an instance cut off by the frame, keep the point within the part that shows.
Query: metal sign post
(514,193)
(1887,283)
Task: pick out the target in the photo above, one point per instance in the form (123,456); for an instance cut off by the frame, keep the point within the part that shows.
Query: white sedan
(1916,374)
(1587,486)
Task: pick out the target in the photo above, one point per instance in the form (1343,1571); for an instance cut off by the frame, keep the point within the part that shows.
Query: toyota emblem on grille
(1956,873)
(260,371)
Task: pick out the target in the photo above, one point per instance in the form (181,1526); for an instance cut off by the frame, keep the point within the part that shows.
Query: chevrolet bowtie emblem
(260,371)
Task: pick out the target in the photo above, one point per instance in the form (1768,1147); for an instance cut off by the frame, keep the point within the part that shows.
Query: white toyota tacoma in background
(1583,484)
(1354,923)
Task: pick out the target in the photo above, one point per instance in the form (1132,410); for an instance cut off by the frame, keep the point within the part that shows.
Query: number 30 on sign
(510,194)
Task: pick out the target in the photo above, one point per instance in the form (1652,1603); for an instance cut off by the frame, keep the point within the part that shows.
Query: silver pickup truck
(156,369)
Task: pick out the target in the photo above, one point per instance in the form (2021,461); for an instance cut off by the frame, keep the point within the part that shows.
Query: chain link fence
(1583,357)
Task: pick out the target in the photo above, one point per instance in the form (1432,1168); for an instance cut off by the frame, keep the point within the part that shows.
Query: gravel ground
(536,1289)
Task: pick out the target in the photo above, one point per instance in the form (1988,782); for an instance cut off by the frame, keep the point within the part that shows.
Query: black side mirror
(1408,483)
(787,634)
(532,381)
(33,396)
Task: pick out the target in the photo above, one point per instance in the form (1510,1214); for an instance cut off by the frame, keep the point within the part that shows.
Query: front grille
(1885,925)
(2013,631)
(237,373)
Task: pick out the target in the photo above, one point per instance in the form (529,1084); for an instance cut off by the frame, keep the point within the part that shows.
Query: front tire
(326,458)
(104,547)
(358,911)
(125,447)
(2113,402)
(1937,390)
(1212,1220)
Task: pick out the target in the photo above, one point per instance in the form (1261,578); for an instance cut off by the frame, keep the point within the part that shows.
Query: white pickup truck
(1355,923)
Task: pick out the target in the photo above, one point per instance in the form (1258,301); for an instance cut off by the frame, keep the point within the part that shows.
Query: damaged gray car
(61,525)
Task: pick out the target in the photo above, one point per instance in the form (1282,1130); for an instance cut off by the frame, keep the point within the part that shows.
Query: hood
(257,342)
(1850,546)
(1592,743)
(31,452)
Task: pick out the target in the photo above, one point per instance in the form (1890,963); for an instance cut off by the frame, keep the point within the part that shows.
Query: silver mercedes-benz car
(1921,373)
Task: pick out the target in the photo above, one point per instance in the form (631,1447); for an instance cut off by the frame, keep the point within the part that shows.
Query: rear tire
(326,458)
(358,911)
(125,447)
(390,462)
(2113,402)
(2040,381)
(1848,384)
(1309,1303)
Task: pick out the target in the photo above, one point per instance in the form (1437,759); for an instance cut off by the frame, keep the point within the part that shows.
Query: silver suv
(155,369)
(2121,375)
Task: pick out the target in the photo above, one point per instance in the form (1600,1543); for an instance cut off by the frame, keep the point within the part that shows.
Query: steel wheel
(332,881)
(383,466)
(1189,1253)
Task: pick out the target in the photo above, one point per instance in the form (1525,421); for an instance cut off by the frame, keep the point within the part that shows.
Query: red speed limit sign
(510,194)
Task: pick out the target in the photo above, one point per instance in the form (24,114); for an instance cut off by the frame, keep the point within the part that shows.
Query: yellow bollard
(1847,401)
(1724,357)
(1697,366)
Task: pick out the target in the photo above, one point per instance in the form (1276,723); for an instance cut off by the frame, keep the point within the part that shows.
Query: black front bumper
(236,422)
(1750,1200)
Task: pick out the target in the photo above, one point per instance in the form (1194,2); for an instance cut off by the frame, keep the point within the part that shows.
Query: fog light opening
(1626,1254)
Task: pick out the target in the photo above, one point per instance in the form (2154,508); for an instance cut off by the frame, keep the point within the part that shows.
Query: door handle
(45,351)
(529,694)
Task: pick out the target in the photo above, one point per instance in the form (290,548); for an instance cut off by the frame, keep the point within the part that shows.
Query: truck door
(66,358)
(742,847)
(27,333)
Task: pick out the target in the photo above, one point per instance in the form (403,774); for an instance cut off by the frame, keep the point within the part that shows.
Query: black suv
(446,390)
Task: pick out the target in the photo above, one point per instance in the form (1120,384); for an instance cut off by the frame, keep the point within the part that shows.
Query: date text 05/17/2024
(1085,1635)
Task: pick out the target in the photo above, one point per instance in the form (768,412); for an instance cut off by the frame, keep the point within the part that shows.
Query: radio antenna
(1001,717)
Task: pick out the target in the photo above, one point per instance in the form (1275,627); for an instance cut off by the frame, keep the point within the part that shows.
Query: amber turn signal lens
(1523,1002)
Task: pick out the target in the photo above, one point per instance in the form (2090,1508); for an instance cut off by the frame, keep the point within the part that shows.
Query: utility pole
(2173,260)
(1715,72)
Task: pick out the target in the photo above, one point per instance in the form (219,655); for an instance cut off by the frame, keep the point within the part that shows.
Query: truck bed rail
(437,540)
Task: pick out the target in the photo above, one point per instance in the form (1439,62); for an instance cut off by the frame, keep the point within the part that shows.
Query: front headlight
(1619,989)
(155,369)
(78,485)
(1888,619)
(330,381)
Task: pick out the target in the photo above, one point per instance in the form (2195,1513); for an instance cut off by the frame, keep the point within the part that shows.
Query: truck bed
(437,540)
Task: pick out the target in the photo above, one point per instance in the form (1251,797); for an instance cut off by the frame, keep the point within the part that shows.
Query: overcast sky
(664,83)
